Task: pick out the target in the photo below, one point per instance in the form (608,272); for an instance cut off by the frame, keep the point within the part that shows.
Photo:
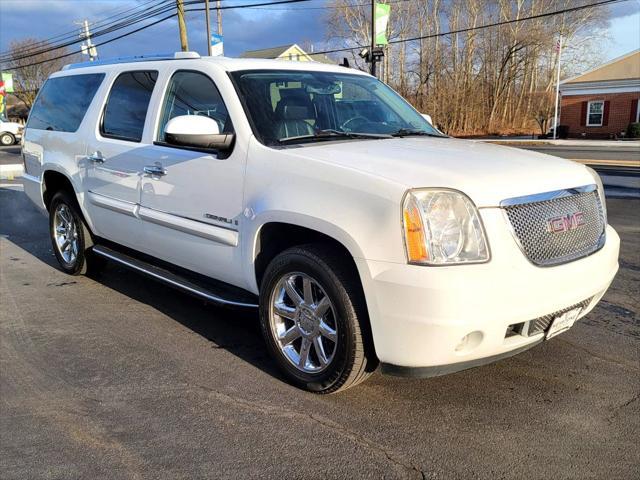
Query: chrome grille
(530,219)
(541,324)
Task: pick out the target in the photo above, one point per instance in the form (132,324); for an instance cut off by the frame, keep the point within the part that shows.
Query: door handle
(154,170)
(95,157)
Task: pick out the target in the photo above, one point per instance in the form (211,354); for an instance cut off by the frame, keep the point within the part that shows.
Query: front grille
(541,324)
(533,229)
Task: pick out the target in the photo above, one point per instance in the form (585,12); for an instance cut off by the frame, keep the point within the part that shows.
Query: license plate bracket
(563,322)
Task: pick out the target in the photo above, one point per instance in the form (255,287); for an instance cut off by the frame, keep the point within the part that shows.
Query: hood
(486,173)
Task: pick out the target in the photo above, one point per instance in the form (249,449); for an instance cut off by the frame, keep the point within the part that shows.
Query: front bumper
(419,315)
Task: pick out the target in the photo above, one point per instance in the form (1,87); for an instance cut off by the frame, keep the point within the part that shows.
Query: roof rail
(132,59)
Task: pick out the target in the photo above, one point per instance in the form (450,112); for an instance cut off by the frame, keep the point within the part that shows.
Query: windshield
(289,106)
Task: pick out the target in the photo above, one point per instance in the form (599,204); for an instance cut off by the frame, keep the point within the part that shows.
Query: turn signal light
(414,233)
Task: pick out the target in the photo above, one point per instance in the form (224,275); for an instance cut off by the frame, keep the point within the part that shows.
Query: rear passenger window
(126,108)
(63,102)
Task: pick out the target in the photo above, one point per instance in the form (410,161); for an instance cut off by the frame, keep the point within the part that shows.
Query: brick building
(602,102)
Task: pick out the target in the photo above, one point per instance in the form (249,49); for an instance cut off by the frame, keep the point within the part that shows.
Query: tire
(64,215)
(7,139)
(332,365)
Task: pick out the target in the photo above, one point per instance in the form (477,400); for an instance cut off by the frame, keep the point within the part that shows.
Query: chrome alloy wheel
(303,322)
(65,233)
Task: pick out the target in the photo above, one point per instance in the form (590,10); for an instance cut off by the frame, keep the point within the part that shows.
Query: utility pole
(208,20)
(555,116)
(184,44)
(373,37)
(88,47)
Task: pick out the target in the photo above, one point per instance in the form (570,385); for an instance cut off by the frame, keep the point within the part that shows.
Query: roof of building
(275,52)
(626,67)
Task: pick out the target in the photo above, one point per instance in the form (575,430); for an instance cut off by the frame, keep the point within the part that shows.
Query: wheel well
(276,237)
(54,182)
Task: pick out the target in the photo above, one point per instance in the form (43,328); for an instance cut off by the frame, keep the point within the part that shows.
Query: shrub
(633,130)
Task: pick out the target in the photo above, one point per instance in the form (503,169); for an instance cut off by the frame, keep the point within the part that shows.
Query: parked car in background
(318,196)
(10,133)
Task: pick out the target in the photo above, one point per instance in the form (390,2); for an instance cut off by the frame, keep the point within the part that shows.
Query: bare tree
(30,73)
(489,80)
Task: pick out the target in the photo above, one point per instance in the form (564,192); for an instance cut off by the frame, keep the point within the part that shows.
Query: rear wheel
(70,237)
(314,319)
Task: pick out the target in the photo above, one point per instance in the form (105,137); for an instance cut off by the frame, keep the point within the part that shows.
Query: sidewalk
(617,144)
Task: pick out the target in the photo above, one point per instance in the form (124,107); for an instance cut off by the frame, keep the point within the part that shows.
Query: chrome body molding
(192,227)
(214,233)
(542,197)
(120,206)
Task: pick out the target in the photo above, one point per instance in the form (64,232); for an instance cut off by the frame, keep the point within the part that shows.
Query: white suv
(319,196)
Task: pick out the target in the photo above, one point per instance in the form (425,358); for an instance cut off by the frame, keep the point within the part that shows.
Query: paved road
(10,155)
(120,377)
(589,152)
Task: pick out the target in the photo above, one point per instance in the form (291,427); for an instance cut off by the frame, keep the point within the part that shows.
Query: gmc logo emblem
(565,223)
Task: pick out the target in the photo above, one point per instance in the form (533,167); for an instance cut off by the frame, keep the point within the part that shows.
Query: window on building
(638,111)
(192,93)
(595,113)
(126,109)
(63,101)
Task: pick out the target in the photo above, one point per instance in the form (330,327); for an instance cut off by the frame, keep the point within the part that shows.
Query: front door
(191,206)
(116,155)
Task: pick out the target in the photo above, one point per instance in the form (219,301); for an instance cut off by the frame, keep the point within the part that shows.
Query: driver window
(193,93)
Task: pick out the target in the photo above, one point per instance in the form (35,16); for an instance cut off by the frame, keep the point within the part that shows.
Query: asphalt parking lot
(120,377)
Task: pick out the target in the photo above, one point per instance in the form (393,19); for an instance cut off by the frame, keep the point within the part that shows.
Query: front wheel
(314,319)
(7,139)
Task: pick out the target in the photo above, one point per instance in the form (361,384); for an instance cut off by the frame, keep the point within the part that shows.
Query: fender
(75,183)
(255,225)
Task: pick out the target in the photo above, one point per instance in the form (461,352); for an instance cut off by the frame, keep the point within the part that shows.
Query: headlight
(442,227)
(598,181)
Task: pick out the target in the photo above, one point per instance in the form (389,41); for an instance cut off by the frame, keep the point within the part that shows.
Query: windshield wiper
(405,132)
(330,134)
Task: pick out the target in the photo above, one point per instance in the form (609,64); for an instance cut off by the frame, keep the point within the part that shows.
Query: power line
(114,26)
(101,43)
(248,5)
(126,22)
(146,26)
(480,27)
(74,33)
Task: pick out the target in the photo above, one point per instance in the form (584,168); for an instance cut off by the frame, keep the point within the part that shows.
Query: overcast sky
(244,29)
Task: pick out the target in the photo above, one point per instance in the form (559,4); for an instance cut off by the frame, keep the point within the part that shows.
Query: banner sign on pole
(217,48)
(7,79)
(383,10)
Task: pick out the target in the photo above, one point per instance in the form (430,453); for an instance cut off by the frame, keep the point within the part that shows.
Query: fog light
(469,342)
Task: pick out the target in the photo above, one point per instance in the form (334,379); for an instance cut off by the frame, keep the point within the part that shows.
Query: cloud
(244,29)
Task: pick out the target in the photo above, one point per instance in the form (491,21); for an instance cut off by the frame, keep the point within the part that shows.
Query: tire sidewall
(78,266)
(291,262)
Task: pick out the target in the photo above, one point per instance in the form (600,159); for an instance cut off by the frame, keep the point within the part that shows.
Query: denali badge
(565,223)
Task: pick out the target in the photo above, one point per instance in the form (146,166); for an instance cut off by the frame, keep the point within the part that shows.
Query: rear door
(116,154)
(191,211)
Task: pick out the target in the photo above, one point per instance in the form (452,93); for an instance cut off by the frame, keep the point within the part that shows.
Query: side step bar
(207,292)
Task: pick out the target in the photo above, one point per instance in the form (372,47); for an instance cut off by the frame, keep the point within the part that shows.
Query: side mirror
(197,131)
(427,117)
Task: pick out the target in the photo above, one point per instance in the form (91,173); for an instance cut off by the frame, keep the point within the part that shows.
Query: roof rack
(135,58)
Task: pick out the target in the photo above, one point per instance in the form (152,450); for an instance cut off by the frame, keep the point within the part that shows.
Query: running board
(213,293)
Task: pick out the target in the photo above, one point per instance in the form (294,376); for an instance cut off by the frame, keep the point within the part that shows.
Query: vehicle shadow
(235,330)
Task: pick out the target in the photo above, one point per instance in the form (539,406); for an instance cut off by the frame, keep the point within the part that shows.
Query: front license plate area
(563,322)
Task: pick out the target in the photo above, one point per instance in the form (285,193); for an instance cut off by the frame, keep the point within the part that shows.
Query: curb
(11,171)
